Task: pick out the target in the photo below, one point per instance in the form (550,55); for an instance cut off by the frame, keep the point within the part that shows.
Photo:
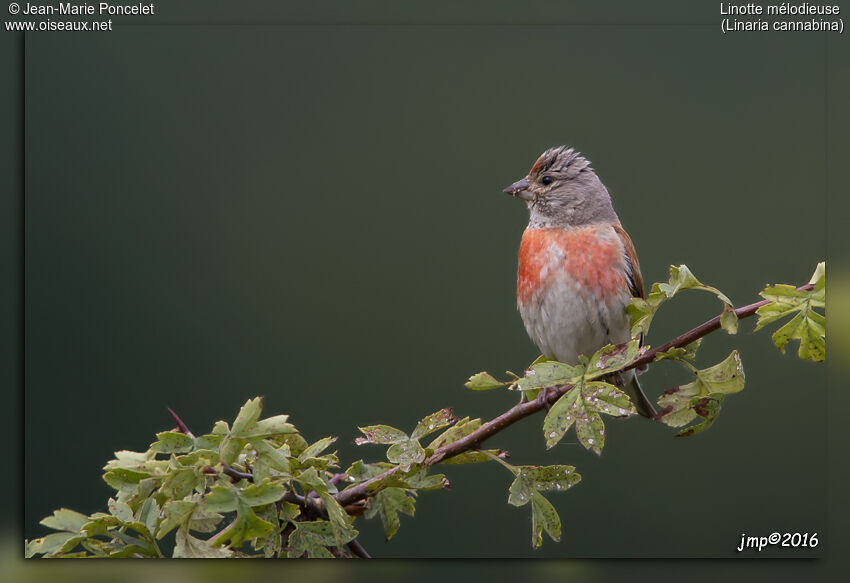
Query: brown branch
(356,548)
(180,425)
(702,330)
(522,410)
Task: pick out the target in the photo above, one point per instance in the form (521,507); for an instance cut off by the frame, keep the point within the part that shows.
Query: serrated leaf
(388,503)
(120,510)
(65,519)
(247,417)
(689,352)
(484,381)
(475,457)
(702,397)
(549,374)
(433,422)
(316,448)
(276,425)
(380,434)
(342,529)
(148,515)
(459,430)
(180,483)
(189,547)
(175,513)
(172,442)
(810,329)
(311,538)
(707,408)
(230,448)
(221,499)
(582,405)
(529,479)
(121,477)
(611,358)
(264,493)
(543,517)
(246,526)
(729,320)
(50,544)
(127,459)
(406,452)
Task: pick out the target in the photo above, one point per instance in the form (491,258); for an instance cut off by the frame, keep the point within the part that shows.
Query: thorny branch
(522,410)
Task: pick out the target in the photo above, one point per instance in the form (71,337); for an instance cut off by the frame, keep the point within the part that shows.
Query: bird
(578,268)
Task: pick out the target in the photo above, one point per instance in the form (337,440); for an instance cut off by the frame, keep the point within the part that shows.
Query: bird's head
(562,189)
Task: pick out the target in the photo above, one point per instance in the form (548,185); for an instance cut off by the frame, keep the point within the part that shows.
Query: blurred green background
(313,213)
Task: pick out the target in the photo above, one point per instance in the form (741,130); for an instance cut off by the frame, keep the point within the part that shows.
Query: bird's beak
(519,189)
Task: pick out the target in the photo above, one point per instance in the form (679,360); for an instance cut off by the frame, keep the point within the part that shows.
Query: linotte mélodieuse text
(796,16)
(103,8)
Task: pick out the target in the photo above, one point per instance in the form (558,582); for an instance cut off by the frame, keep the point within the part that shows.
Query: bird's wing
(633,273)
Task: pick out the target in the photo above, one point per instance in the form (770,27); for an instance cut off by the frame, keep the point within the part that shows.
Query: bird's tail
(642,404)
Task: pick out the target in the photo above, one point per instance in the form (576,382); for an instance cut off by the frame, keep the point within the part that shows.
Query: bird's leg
(543,397)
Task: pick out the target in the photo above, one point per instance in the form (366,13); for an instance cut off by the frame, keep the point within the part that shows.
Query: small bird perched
(577,265)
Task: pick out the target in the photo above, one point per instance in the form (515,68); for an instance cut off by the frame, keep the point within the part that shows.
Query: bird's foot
(543,397)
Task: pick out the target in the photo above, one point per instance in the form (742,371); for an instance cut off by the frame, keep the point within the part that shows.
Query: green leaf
(729,320)
(688,352)
(406,452)
(148,515)
(51,544)
(65,519)
(458,431)
(276,425)
(230,448)
(475,456)
(810,330)
(707,408)
(247,417)
(543,517)
(264,493)
(128,459)
(180,483)
(316,448)
(122,477)
(342,529)
(549,374)
(484,381)
(221,499)
(641,311)
(530,479)
(381,434)
(388,503)
(172,442)
(582,405)
(311,538)
(246,526)
(175,513)
(612,358)
(189,547)
(807,326)
(433,422)
(702,397)
(120,510)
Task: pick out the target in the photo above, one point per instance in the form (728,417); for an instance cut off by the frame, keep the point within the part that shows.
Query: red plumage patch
(592,257)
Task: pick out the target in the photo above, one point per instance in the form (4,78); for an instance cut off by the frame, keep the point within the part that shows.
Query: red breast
(592,258)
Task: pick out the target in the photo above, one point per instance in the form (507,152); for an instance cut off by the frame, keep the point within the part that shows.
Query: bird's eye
(547,180)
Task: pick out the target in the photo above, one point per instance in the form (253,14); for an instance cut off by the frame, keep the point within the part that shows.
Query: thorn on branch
(358,550)
(180,424)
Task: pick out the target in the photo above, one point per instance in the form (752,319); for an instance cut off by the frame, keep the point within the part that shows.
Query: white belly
(564,321)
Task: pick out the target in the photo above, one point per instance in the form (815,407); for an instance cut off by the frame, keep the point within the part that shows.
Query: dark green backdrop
(313,213)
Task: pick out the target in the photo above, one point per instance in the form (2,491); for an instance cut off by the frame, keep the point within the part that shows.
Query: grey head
(562,190)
